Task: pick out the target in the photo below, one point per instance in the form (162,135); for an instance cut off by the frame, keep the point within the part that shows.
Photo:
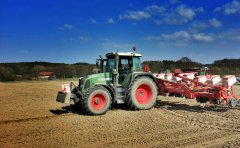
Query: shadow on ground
(76,109)
(185,107)
(67,109)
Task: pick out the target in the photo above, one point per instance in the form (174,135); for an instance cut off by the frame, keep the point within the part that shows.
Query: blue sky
(79,30)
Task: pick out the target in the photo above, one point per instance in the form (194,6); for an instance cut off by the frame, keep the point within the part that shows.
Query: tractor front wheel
(142,94)
(96,101)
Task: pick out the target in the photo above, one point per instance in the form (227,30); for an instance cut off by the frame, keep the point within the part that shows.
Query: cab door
(124,68)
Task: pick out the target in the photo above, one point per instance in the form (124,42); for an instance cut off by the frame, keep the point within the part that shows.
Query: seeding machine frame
(193,89)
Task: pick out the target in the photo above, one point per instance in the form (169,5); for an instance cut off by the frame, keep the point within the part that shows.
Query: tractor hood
(93,79)
(100,78)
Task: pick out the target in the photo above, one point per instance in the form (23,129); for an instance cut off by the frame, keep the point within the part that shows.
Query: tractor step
(120,92)
(120,99)
(120,89)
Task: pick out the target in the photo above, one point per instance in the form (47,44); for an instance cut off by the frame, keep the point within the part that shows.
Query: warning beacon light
(134,48)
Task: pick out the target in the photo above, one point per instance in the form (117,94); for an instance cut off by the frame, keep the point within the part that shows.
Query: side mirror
(97,63)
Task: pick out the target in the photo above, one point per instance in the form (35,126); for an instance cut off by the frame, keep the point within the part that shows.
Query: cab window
(137,63)
(110,65)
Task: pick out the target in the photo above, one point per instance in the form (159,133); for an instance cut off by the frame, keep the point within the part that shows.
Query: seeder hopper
(203,88)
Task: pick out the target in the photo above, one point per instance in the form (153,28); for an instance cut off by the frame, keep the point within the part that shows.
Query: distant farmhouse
(46,75)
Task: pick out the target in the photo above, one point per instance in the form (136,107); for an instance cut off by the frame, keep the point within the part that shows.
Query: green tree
(6,74)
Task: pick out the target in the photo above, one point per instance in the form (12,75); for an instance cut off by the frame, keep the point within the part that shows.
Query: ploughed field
(30,117)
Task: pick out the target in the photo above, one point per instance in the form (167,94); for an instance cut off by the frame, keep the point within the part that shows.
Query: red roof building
(46,75)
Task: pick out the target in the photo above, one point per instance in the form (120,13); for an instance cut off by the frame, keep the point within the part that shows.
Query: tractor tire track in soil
(203,123)
(173,122)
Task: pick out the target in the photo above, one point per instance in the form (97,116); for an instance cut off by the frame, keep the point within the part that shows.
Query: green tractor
(120,79)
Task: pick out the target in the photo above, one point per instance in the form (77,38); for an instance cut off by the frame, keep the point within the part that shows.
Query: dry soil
(30,117)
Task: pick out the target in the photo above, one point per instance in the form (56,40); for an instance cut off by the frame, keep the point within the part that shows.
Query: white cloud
(215,22)
(185,38)
(232,34)
(176,36)
(155,9)
(93,21)
(217,9)
(202,37)
(230,8)
(110,21)
(145,13)
(182,35)
(182,14)
(152,38)
(185,12)
(66,27)
(135,15)
(84,38)
(196,26)
(181,38)
(172,20)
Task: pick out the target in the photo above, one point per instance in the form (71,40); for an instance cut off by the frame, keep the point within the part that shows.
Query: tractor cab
(120,64)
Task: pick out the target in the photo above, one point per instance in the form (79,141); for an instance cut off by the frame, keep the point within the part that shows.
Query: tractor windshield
(137,63)
(110,65)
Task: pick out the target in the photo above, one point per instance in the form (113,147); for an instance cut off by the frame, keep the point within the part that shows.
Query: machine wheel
(233,102)
(142,94)
(96,101)
(178,95)
(202,100)
(215,101)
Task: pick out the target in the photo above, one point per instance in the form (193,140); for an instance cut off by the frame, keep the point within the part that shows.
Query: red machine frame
(193,89)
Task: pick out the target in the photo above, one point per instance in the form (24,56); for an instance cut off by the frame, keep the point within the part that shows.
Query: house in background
(46,75)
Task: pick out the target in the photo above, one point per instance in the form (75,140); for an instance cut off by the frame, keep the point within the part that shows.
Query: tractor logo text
(104,79)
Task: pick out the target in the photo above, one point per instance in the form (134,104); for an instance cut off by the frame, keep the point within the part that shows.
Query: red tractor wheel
(142,94)
(96,101)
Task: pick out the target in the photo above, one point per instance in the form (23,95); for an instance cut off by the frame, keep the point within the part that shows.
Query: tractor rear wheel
(97,101)
(142,94)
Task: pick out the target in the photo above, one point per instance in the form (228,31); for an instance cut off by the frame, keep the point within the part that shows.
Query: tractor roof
(123,54)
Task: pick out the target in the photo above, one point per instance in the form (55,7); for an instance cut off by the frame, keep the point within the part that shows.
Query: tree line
(183,63)
(226,66)
(30,70)
(219,67)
